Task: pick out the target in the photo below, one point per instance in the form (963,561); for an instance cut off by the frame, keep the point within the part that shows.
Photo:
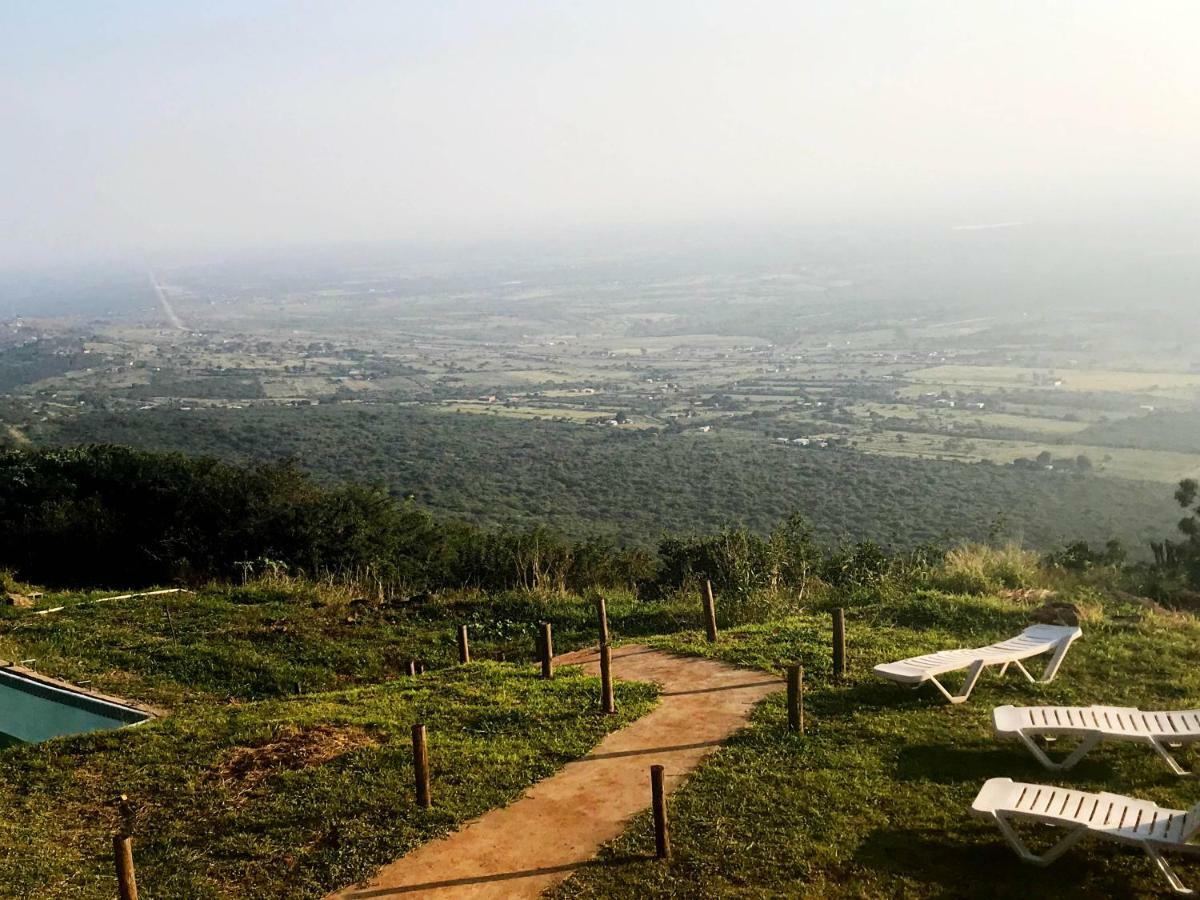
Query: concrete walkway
(531,845)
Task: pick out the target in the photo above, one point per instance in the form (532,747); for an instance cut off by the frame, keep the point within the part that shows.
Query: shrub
(982,569)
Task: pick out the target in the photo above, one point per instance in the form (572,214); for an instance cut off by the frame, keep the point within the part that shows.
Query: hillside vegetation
(633,485)
(281,765)
(137,517)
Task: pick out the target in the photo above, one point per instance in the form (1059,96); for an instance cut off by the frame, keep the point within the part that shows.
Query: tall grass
(983,569)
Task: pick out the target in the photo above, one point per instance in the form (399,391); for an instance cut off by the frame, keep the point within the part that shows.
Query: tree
(1184,556)
(1185,496)
(1083,463)
(1045,458)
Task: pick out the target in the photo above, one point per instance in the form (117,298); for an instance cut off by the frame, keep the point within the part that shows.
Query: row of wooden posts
(122,842)
(662,832)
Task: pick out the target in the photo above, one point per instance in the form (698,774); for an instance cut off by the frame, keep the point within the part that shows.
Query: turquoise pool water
(32,711)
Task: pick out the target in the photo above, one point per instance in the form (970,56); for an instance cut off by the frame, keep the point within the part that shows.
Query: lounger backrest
(1057,634)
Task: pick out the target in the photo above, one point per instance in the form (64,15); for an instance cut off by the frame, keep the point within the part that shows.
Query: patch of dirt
(293,749)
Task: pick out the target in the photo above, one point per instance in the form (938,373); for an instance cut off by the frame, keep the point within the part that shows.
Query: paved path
(536,842)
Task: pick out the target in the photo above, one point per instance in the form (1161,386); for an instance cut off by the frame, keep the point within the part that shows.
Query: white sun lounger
(1108,816)
(1033,641)
(1163,731)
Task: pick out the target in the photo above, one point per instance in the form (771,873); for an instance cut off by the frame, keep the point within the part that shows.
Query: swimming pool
(33,709)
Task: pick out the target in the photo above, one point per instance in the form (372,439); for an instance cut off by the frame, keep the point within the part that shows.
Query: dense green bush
(102,514)
(633,485)
(112,515)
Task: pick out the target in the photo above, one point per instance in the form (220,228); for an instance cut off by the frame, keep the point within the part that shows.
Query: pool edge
(150,712)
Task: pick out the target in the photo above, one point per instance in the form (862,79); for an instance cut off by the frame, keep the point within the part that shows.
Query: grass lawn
(283,767)
(266,641)
(872,801)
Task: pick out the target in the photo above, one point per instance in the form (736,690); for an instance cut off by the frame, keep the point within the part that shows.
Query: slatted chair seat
(1092,725)
(1104,816)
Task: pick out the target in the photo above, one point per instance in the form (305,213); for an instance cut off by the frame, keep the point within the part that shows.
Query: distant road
(174,319)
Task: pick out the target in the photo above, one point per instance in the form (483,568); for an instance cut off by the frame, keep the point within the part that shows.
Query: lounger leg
(1068,841)
(1166,754)
(1051,669)
(1079,753)
(968,685)
(1024,671)
(1056,660)
(1163,866)
(1003,670)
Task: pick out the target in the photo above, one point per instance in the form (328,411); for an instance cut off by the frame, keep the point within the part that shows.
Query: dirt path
(536,842)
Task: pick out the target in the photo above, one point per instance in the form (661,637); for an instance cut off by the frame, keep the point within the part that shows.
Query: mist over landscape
(355,358)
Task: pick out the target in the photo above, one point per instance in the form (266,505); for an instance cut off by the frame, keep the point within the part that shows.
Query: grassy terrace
(282,769)
(873,800)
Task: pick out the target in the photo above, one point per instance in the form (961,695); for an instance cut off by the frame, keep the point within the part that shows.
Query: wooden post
(662,828)
(795,698)
(608,702)
(411,668)
(839,643)
(547,651)
(421,766)
(123,856)
(464,648)
(420,667)
(602,618)
(710,613)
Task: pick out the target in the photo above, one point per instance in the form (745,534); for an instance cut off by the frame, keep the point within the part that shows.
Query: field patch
(1169,384)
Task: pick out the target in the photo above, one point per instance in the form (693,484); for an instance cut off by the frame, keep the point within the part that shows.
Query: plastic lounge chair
(1033,641)
(1163,731)
(1108,816)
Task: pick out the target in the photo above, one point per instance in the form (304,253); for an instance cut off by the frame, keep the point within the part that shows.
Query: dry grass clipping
(292,749)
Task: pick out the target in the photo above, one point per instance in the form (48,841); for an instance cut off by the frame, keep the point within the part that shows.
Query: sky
(143,127)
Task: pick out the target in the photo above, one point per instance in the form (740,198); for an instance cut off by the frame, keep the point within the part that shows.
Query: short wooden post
(602,618)
(547,651)
(464,648)
(123,856)
(795,698)
(662,828)
(421,765)
(608,702)
(411,668)
(839,643)
(710,613)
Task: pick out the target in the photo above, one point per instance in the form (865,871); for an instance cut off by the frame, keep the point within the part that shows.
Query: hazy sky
(172,125)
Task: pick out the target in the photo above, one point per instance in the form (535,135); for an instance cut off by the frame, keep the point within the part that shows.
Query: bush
(740,563)
(981,569)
